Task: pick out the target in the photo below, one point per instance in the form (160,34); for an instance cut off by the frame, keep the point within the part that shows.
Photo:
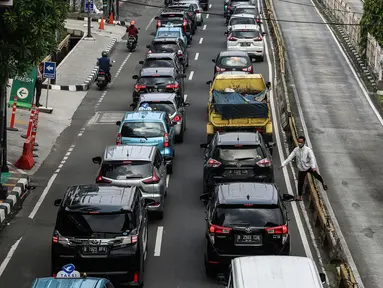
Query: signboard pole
(46,100)
(50,73)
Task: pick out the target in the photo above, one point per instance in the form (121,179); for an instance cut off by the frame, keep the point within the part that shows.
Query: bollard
(26,161)
(13,117)
(32,119)
(34,132)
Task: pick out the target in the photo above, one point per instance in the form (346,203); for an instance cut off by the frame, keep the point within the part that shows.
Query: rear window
(150,81)
(174,19)
(161,47)
(243,21)
(246,34)
(142,129)
(234,61)
(90,225)
(247,216)
(165,106)
(126,170)
(158,63)
(246,152)
(242,1)
(169,34)
(240,10)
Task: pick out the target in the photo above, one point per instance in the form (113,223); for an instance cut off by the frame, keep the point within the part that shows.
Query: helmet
(132,22)
(104,54)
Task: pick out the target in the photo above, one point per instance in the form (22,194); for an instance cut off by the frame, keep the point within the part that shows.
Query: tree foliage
(28,33)
(371,22)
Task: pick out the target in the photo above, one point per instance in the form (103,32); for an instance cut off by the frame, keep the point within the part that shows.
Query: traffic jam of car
(247,236)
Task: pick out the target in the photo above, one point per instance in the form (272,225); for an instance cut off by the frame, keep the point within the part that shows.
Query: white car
(247,9)
(244,19)
(247,38)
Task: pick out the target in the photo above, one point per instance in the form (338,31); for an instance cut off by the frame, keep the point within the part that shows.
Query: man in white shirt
(306,164)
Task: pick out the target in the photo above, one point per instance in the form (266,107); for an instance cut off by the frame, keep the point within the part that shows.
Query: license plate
(248,239)
(238,172)
(245,44)
(93,250)
(101,78)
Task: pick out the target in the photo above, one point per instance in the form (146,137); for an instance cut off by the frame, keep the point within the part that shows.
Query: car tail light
(212,163)
(137,88)
(258,20)
(179,53)
(219,229)
(54,275)
(166,140)
(185,23)
(119,139)
(177,118)
(197,11)
(101,72)
(219,69)
(228,7)
(135,278)
(264,163)
(129,240)
(258,38)
(101,179)
(278,230)
(150,52)
(231,38)
(249,69)
(58,238)
(152,180)
(172,86)
(158,23)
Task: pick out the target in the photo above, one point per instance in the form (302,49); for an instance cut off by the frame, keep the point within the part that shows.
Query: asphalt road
(178,260)
(345,132)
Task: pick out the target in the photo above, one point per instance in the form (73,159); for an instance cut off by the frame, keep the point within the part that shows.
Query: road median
(323,221)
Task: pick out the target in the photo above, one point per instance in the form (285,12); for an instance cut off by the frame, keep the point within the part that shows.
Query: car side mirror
(226,33)
(205,197)
(264,33)
(322,278)
(156,17)
(118,123)
(148,46)
(153,34)
(209,82)
(97,160)
(268,85)
(287,197)
(213,60)
(141,62)
(186,104)
(149,202)
(221,280)
(183,75)
(135,77)
(204,145)
(58,202)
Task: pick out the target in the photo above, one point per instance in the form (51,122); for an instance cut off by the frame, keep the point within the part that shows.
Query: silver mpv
(134,165)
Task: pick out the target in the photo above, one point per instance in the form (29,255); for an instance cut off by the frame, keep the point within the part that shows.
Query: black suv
(166,80)
(190,11)
(162,60)
(245,219)
(177,18)
(170,45)
(103,230)
(236,156)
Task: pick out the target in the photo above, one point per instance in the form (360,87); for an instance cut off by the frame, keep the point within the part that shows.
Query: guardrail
(329,240)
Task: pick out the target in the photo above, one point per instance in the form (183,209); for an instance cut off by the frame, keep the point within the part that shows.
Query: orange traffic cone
(111,19)
(102,24)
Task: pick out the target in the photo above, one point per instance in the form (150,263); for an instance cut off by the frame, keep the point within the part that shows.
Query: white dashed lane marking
(204,27)
(207,16)
(191,75)
(200,41)
(196,56)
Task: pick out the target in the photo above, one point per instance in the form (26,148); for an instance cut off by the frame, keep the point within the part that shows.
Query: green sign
(23,87)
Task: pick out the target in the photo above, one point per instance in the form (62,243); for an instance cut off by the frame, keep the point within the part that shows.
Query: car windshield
(245,34)
(126,169)
(170,34)
(238,153)
(71,224)
(151,81)
(240,1)
(164,47)
(249,216)
(242,20)
(142,129)
(158,63)
(165,106)
(242,10)
(234,61)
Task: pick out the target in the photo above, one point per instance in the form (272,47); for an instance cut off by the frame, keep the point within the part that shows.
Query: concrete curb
(88,82)
(13,198)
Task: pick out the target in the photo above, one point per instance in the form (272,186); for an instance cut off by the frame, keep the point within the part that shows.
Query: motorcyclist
(104,63)
(132,30)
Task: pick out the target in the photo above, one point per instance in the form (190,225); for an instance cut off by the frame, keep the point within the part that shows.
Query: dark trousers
(302,176)
(38,87)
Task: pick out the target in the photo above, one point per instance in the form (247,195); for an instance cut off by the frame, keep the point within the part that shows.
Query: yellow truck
(239,102)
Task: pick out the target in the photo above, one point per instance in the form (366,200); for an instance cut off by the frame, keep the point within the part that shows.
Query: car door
(139,211)
(171,131)
(161,172)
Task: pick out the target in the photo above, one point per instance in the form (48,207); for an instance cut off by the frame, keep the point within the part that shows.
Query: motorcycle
(102,79)
(131,44)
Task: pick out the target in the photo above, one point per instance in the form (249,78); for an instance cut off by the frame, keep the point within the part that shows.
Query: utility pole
(89,22)
(3,126)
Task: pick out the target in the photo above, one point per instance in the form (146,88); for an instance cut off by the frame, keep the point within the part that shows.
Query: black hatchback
(233,61)
(103,230)
(244,219)
(152,80)
(236,156)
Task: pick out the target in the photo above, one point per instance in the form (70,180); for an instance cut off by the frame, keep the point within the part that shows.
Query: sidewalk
(74,77)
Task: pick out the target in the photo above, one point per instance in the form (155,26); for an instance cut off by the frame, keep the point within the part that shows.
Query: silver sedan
(197,8)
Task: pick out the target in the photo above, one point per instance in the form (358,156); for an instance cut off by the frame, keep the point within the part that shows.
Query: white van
(274,272)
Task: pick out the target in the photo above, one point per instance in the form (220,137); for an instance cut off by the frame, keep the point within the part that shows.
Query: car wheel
(180,137)
(170,168)
(160,215)
(261,59)
(209,269)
